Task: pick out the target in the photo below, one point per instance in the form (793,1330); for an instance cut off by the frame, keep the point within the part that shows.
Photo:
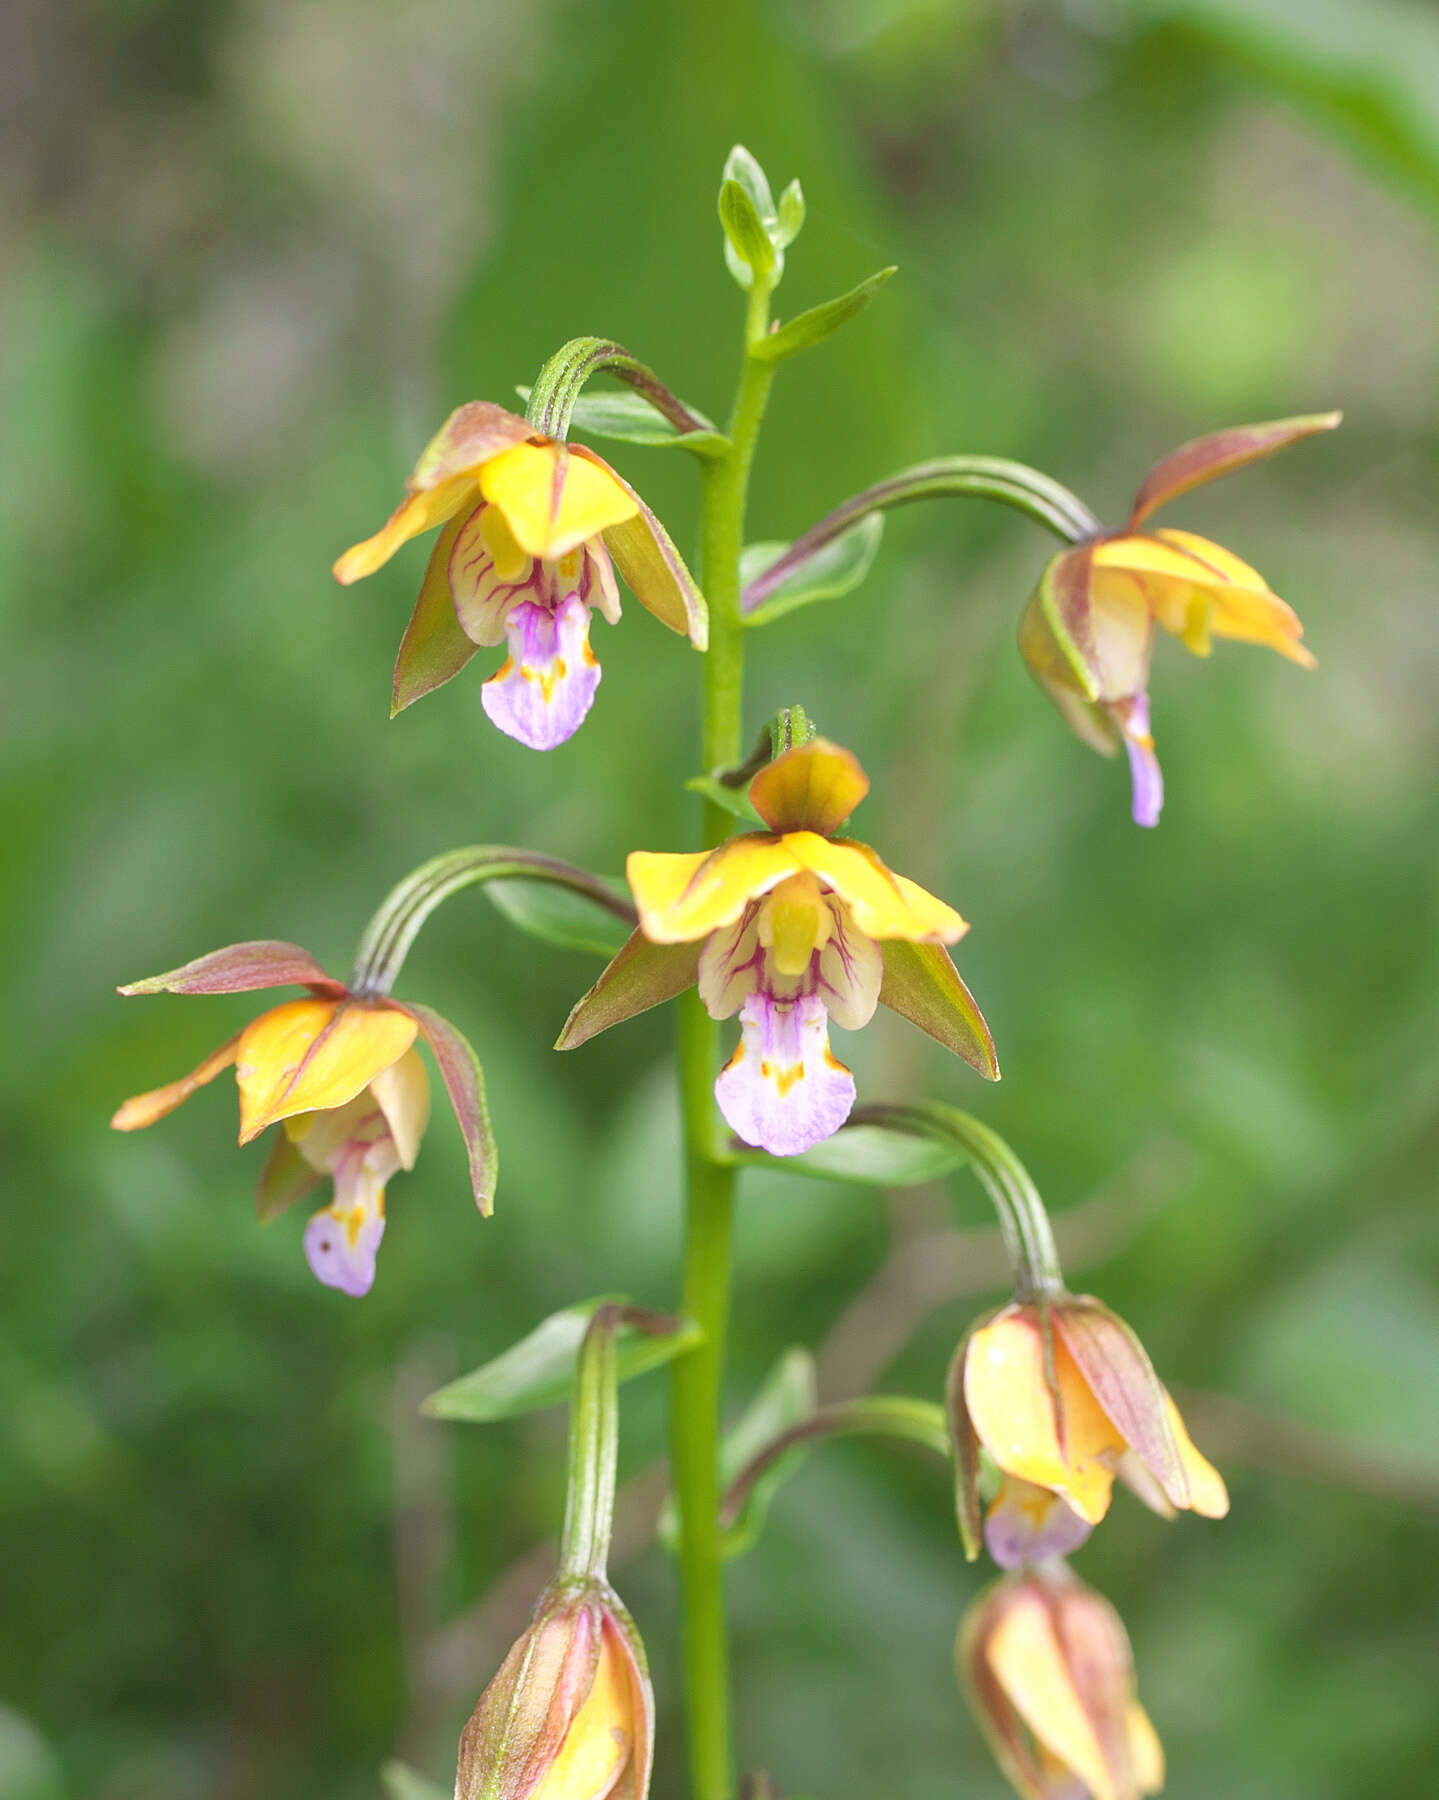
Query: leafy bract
(538,1371)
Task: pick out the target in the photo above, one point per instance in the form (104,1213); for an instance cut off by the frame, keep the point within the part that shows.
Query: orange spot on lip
(505,670)
(786,1078)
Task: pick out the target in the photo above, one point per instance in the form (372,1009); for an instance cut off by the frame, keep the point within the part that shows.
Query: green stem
(698,1378)
(593,1450)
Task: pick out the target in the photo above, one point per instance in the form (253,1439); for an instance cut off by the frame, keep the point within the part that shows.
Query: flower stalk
(698,1378)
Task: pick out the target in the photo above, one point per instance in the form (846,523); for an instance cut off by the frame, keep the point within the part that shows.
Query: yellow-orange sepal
(313,1055)
(1062,1395)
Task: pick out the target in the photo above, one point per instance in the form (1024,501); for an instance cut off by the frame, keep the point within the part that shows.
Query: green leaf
(628,418)
(734,800)
(560,915)
(790,214)
(832,571)
(744,168)
(400,1782)
(870,1155)
(786,1396)
(539,1370)
(820,322)
(754,253)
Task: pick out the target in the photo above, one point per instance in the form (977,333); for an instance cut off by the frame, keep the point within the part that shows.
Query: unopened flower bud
(1046,1665)
(570,1715)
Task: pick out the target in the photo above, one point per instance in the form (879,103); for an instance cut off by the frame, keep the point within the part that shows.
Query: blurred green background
(253,251)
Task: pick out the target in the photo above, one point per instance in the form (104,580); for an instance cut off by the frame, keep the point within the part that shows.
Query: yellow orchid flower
(339,1074)
(1047,1667)
(790,928)
(1063,1397)
(1088,631)
(533,531)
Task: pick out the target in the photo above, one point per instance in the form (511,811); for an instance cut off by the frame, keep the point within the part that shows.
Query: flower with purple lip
(1088,631)
(338,1073)
(790,929)
(534,529)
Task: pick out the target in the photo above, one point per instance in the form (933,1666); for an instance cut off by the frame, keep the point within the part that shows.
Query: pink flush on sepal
(547,684)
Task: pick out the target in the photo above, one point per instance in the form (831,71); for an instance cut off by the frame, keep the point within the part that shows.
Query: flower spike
(533,530)
(1087,634)
(794,927)
(338,1073)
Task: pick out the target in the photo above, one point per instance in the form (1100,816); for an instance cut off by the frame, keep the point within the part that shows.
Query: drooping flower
(1088,631)
(338,1072)
(790,928)
(533,531)
(1048,1670)
(1063,1397)
(570,1715)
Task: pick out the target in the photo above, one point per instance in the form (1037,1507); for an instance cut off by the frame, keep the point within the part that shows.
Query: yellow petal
(143,1109)
(794,923)
(403,1094)
(1245,607)
(1029,1664)
(416,513)
(312,1055)
(1207,1492)
(681,898)
(600,1739)
(882,904)
(522,482)
(1146,1753)
(1013,1413)
(813,787)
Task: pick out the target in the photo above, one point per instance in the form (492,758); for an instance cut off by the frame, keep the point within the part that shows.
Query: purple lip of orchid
(1026,1525)
(783,1090)
(1146,778)
(547,684)
(342,1240)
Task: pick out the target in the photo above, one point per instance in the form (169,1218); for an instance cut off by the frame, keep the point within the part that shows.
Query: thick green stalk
(698,1378)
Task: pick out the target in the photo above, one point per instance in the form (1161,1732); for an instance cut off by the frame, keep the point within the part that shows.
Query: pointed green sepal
(813,327)
(839,566)
(641,976)
(538,1372)
(964,1447)
(285,1179)
(922,985)
(434,648)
